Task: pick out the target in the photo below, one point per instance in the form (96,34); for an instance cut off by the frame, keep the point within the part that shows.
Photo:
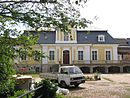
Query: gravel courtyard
(110,86)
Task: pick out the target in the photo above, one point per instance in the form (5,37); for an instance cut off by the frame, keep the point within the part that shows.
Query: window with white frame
(94,55)
(101,38)
(51,55)
(108,55)
(66,37)
(80,55)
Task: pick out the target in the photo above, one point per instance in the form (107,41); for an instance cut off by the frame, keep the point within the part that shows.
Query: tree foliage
(32,14)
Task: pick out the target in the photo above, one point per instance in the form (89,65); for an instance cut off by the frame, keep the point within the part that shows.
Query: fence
(26,95)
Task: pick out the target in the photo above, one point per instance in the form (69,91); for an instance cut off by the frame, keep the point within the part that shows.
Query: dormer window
(101,38)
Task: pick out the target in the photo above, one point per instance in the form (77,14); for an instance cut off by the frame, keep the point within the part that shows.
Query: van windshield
(74,70)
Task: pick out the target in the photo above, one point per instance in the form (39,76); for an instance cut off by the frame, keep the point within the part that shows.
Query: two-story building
(92,50)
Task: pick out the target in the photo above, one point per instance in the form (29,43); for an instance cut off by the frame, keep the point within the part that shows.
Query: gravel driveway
(110,86)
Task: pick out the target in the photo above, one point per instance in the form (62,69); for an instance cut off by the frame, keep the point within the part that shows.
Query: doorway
(66,57)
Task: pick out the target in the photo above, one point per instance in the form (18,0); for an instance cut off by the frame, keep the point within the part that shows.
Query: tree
(33,14)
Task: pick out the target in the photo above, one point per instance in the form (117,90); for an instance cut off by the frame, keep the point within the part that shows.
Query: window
(74,70)
(64,70)
(51,55)
(108,55)
(80,55)
(66,37)
(37,55)
(94,55)
(23,55)
(101,38)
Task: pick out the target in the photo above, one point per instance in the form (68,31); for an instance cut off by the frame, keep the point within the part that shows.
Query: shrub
(6,88)
(6,81)
(18,93)
(48,89)
(97,76)
(60,96)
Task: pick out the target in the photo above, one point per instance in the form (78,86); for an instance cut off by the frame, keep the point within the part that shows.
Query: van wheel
(76,85)
(63,84)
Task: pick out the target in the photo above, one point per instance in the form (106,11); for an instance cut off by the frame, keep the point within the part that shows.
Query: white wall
(44,50)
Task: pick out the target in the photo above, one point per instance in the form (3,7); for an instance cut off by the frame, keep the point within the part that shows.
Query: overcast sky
(112,15)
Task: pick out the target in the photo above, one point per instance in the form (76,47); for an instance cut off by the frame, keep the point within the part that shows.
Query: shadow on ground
(76,88)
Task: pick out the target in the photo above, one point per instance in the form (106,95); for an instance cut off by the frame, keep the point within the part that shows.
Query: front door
(66,58)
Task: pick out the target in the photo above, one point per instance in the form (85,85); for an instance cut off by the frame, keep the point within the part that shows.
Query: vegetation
(32,14)
(60,96)
(72,97)
(48,89)
(18,93)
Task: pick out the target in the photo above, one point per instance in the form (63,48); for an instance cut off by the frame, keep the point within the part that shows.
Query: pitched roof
(47,37)
(85,37)
(123,41)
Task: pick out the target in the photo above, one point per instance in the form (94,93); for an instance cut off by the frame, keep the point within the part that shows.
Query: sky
(111,15)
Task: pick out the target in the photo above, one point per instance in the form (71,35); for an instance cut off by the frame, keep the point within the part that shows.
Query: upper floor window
(66,37)
(108,55)
(51,55)
(101,38)
(80,55)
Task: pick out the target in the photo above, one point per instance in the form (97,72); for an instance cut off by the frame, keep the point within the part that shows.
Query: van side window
(64,71)
(61,71)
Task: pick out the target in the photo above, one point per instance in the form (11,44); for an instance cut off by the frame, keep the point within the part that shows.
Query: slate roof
(86,37)
(83,37)
(124,45)
(123,41)
(47,37)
